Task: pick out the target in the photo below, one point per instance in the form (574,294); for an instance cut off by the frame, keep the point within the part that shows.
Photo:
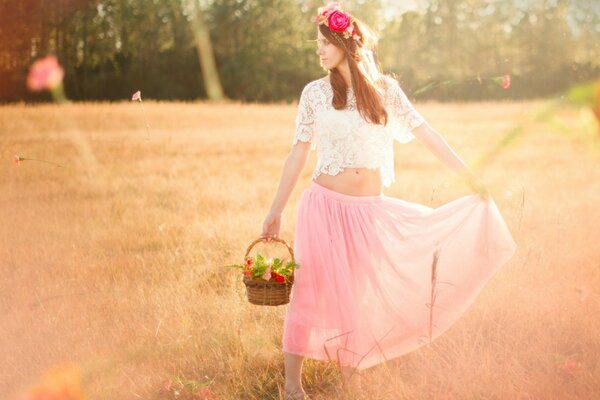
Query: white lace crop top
(344,139)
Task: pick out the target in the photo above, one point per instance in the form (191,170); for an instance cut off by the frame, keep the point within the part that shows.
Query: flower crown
(337,20)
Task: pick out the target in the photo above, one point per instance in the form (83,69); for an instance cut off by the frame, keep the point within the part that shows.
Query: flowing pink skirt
(380,277)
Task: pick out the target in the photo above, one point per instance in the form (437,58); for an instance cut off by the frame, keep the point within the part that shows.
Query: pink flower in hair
(333,5)
(338,21)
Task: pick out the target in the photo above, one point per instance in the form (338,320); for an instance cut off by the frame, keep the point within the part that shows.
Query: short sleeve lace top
(343,139)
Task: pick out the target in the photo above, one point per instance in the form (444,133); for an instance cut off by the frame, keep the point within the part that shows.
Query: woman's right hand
(271,226)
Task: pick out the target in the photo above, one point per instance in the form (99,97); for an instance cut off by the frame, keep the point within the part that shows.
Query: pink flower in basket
(267,275)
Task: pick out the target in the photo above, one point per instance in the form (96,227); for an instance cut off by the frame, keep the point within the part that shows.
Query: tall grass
(119,268)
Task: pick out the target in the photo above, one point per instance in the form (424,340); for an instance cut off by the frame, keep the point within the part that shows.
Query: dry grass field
(114,262)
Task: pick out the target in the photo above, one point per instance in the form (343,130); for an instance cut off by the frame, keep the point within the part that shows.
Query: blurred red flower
(59,382)
(505,81)
(571,367)
(45,73)
(205,394)
(596,109)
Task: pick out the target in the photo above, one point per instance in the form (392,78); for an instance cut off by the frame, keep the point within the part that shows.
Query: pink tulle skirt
(380,277)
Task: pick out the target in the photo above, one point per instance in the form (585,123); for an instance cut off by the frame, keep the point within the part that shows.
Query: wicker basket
(263,293)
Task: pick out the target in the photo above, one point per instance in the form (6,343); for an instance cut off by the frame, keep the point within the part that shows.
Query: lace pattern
(305,119)
(402,111)
(344,139)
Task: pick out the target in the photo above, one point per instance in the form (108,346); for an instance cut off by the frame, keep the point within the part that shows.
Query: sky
(580,12)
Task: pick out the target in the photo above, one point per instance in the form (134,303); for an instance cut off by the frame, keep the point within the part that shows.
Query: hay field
(114,261)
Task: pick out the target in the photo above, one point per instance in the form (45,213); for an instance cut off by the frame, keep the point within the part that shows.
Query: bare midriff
(353,181)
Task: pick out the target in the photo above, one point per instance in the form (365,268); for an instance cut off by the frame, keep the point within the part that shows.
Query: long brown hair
(367,91)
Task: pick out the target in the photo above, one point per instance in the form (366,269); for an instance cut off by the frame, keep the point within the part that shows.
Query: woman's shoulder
(319,82)
(315,85)
(387,80)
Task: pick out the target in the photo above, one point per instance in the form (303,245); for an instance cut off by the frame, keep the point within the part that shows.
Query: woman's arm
(403,110)
(440,148)
(303,142)
(294,164)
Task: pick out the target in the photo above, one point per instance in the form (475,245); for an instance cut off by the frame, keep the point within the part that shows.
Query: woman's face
(330,55)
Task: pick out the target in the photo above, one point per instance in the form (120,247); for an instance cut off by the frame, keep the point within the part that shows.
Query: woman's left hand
(476,185)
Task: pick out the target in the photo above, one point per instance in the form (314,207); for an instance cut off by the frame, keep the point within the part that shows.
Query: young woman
(379,276)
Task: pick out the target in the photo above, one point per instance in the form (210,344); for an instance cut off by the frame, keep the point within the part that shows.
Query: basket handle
(264,239)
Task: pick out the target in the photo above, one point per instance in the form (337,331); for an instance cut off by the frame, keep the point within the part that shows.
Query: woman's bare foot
(295,393)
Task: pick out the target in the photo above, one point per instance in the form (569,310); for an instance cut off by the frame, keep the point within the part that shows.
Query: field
(114,261)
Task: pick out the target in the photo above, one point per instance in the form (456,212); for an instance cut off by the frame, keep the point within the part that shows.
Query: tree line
(264,50)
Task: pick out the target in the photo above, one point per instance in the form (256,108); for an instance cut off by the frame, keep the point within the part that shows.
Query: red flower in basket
(278,278)
(269,269)
(248,267)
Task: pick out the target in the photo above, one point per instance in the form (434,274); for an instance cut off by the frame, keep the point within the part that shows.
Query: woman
(379,276)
